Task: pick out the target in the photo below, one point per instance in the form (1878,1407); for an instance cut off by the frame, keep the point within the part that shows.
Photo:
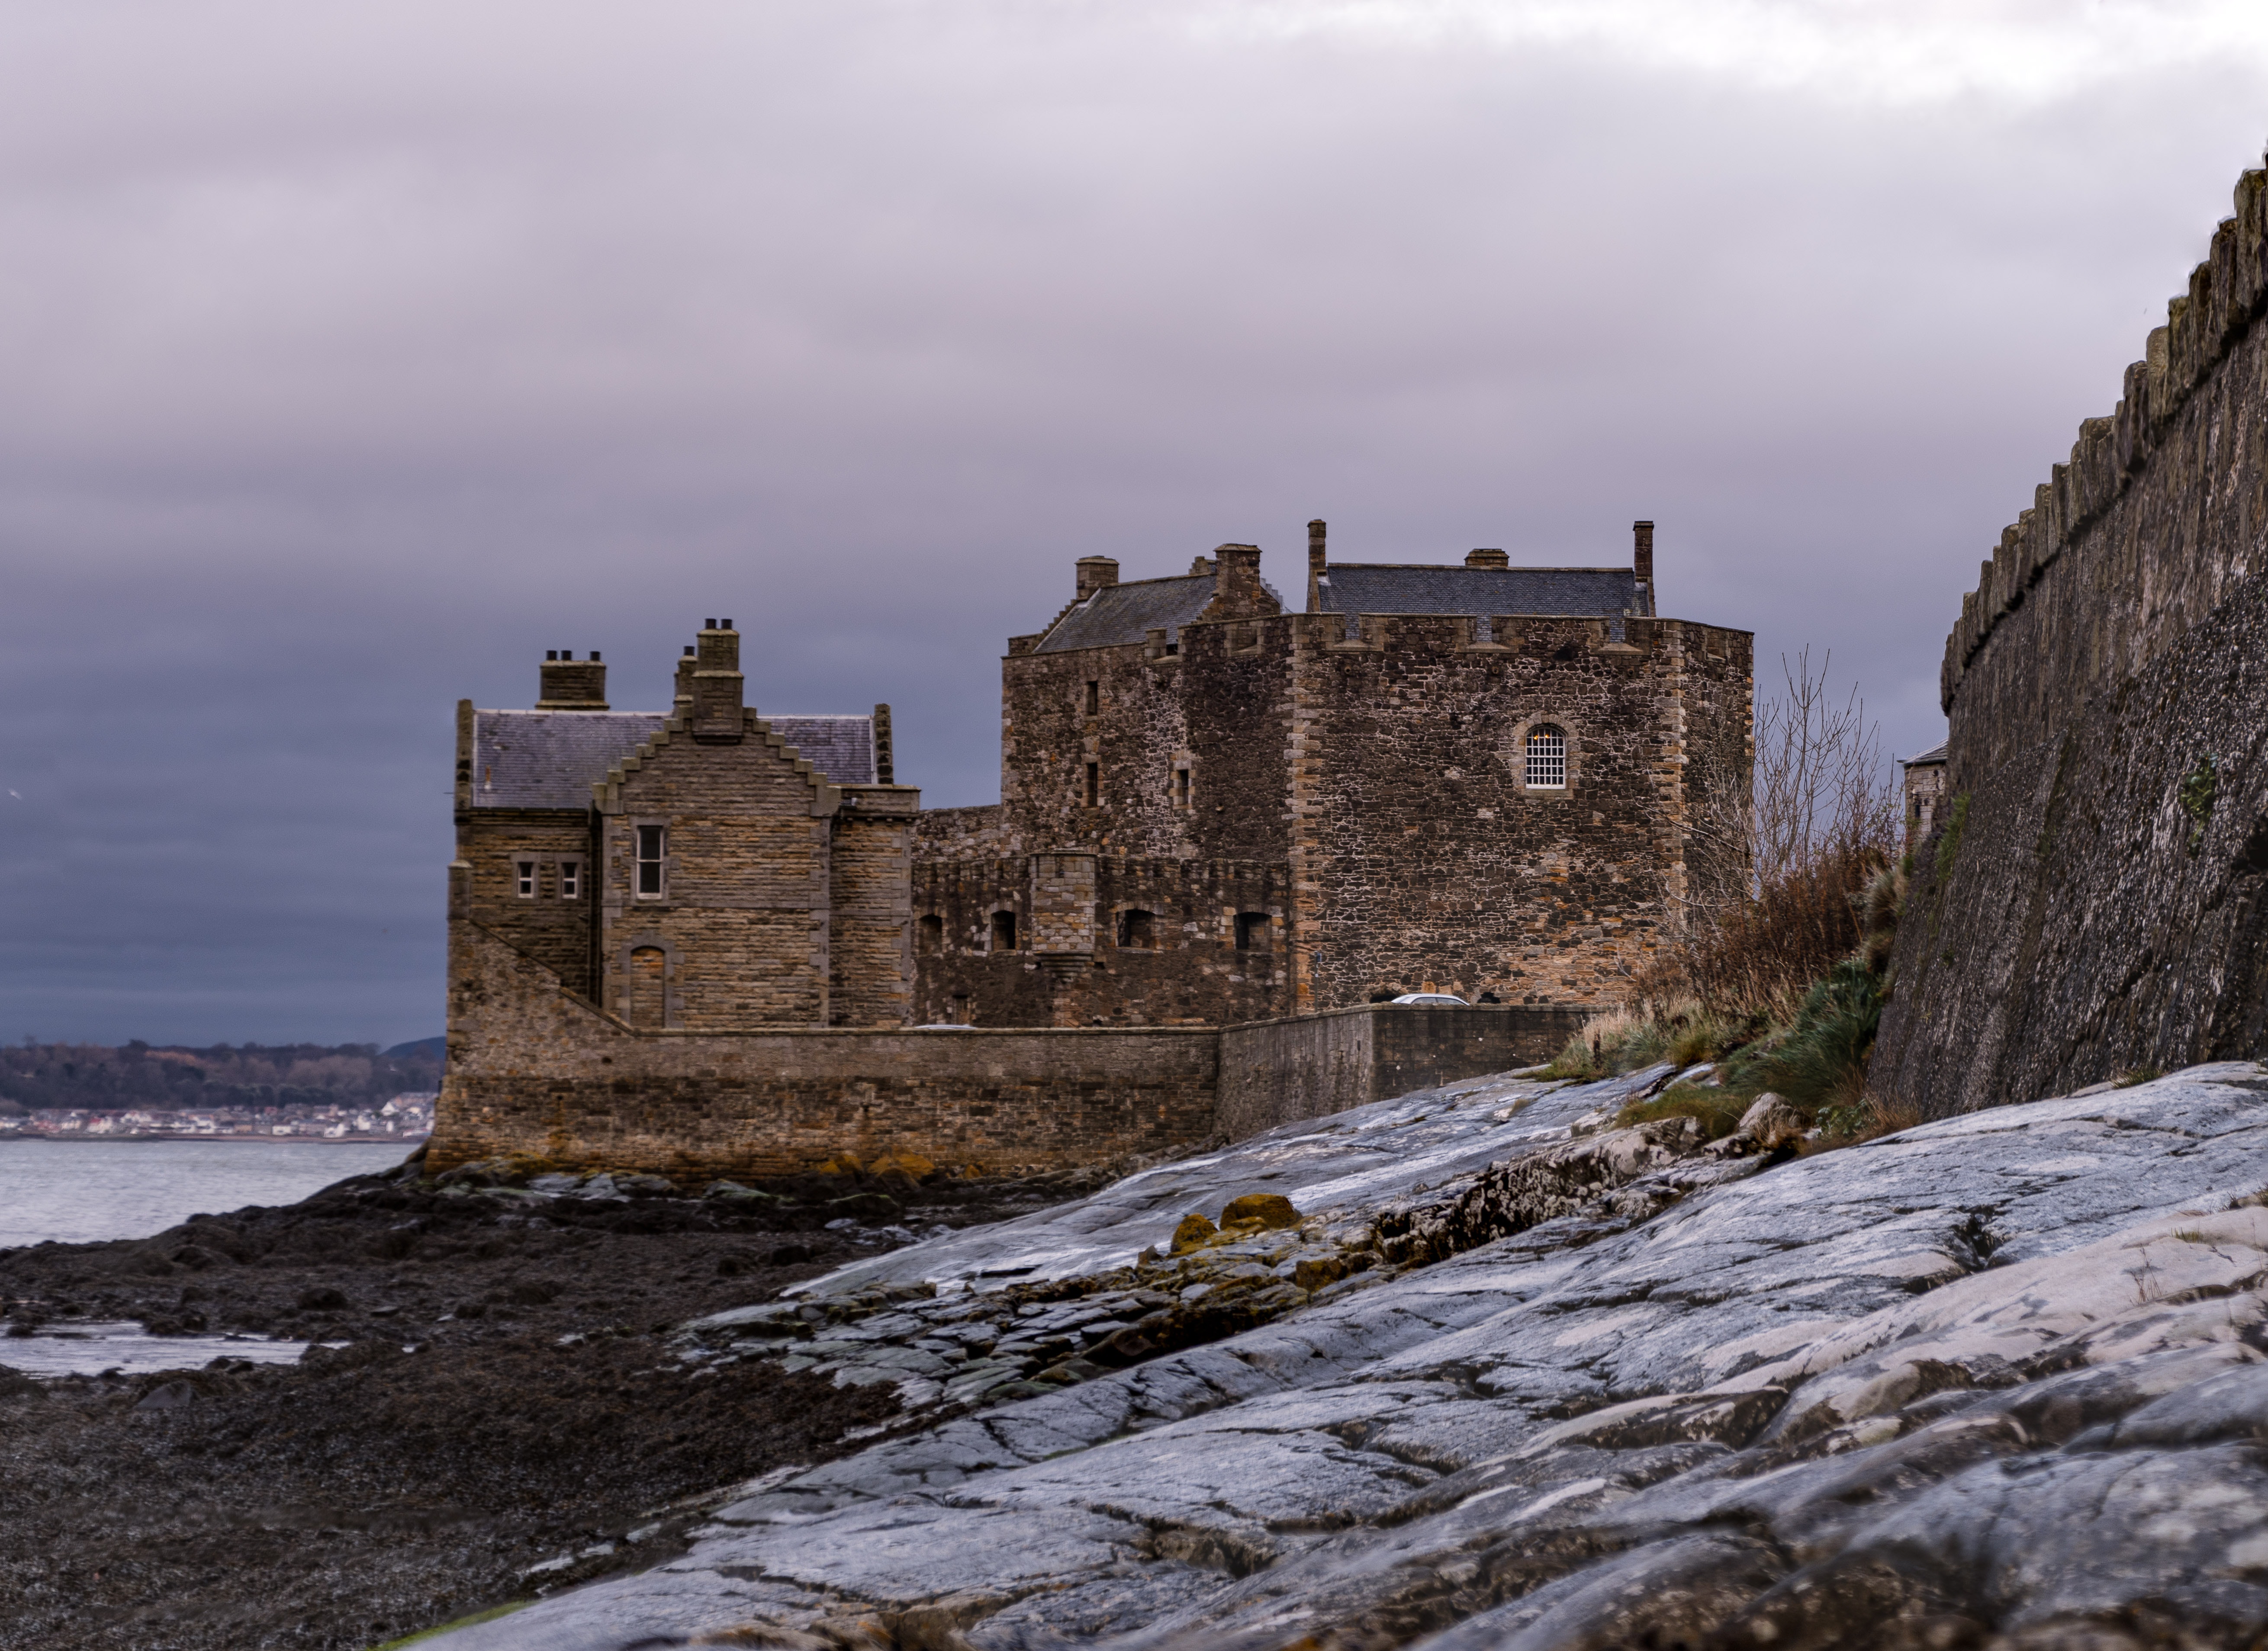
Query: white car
(1431,997)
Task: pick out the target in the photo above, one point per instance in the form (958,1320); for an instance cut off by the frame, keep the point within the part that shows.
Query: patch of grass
(1682,1033)
(1717,1111)
(490,1615)
(1821,1063)
(1871,1117)
(2133,1075)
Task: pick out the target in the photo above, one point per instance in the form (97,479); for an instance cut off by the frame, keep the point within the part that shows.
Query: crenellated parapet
(2204,326)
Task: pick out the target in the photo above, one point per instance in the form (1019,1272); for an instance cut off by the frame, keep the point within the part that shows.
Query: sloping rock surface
(1998,1381)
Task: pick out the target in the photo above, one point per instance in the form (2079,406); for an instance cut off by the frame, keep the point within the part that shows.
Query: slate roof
(840,748)
(552,758)
(1126,612)
(1935,754)
(1363,587)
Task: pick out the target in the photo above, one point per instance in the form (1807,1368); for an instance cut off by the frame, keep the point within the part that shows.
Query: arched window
(1137,931)
(930,935)
(1547,757)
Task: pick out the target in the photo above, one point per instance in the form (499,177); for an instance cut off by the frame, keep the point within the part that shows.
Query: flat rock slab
(1847,1396)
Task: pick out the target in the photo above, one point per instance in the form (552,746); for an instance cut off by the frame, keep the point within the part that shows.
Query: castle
(1473,779)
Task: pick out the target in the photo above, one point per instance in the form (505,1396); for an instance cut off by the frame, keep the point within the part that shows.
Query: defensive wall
(2089,903)
(535,1069)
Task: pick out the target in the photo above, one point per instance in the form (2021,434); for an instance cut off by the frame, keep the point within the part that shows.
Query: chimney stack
(1237,592)
(1316,565)
(717,685)
(569,686)
(1642,561)
(1486,559)
(685,683)
(885,763)
(1095,573)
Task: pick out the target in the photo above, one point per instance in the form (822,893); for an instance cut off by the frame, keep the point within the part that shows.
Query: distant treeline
(35,1076)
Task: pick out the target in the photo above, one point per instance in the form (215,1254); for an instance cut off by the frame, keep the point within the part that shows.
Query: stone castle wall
(536,1069)
(2090,901)
(1355,806)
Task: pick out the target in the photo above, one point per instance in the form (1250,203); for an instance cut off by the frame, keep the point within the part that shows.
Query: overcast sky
(356,354)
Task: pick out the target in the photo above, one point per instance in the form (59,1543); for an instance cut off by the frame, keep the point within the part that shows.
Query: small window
(930,935)
(1180,788)
(651,842)
(1253,930)
(1003,931)
(1137,931)
(1094,699)
(527,879)
(1547,758)
(570,879)
(1094,785)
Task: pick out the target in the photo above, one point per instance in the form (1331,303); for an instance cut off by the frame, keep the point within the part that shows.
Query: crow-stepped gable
(706,942)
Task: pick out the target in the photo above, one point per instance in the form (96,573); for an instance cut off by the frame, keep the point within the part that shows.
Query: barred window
(1547,758)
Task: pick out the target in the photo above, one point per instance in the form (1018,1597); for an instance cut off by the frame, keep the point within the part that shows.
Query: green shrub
(1821,1061)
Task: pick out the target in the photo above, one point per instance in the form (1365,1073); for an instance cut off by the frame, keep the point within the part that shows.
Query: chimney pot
(594,655)
(570,687)
(728,625)
(688,650)
(708,625)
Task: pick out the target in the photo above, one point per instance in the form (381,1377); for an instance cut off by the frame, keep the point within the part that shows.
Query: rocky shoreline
(497,1412)
(1999,1382)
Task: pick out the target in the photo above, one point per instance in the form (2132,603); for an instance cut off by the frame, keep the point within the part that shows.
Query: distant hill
(139,1074)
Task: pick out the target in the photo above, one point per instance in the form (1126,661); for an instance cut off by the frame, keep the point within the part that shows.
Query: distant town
(407,1116)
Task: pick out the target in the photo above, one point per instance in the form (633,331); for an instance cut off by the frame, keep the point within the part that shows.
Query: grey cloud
(356,360)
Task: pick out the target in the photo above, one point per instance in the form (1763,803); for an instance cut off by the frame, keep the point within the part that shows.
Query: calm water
(75,1190)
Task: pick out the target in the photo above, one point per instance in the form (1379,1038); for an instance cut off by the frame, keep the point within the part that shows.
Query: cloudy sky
(356,354)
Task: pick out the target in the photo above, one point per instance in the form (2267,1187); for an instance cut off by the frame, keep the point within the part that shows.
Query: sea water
(77,1191)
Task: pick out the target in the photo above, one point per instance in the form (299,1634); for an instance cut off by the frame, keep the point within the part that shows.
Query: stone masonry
(2090,903)
(1215,810)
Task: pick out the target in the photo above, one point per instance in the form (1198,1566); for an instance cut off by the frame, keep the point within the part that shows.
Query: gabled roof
(552,758)
(1365,587)
(1935,754)
(840,748)
(1127,612)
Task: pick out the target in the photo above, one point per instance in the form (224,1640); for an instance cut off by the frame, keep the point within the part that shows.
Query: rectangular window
(1180,788)
(650,844)
(1094,785)
(570,879)
(1094,699)
(527,879)
(1003,931)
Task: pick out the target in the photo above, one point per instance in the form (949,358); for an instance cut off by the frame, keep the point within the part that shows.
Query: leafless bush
(1817,827)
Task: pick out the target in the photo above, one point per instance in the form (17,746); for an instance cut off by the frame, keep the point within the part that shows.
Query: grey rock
(1623,1392)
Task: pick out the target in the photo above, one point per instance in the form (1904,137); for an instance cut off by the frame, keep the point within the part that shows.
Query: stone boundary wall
(1280,1071)
(2090,903)
(534,1069)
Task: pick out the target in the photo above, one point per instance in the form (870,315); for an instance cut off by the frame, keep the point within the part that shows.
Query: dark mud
(504,1400)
